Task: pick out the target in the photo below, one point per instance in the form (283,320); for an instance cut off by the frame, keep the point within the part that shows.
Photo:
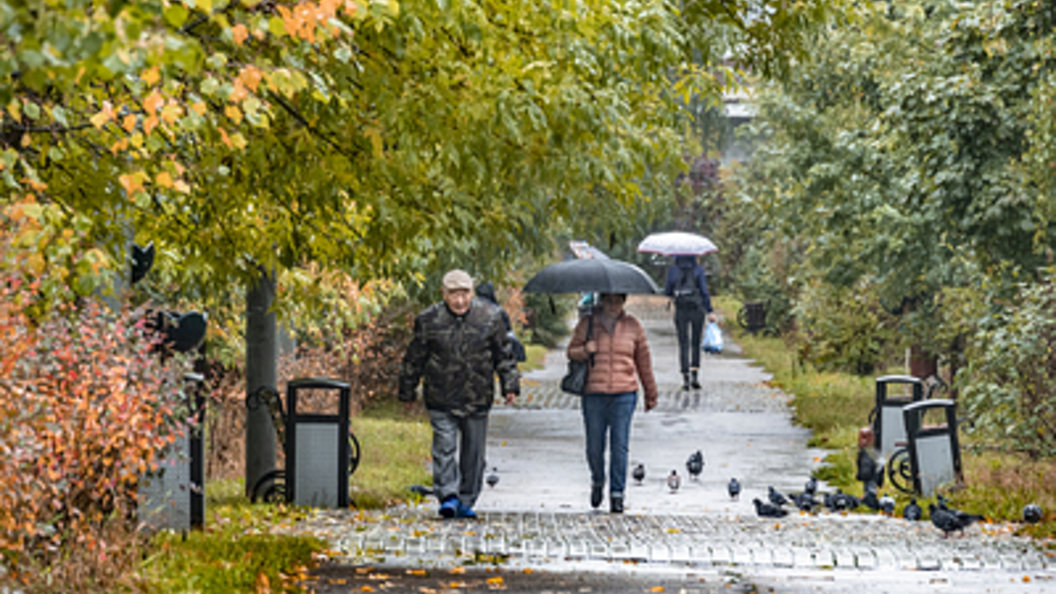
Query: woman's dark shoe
(616,505)
(693,380)
(595,497)
(685,381)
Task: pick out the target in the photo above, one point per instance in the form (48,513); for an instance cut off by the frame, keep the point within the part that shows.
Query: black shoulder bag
(575,381)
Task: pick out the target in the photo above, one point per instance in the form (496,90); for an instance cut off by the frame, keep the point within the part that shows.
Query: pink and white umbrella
(677,243)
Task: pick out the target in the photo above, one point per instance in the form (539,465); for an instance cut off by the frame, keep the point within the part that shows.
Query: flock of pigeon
(943,516)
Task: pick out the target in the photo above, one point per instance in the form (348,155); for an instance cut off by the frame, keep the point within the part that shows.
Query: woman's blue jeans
(609,415)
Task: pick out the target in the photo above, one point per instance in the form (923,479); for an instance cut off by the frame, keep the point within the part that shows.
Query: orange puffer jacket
(622,358)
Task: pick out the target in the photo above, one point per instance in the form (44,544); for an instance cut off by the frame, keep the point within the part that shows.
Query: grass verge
(395,454)
(835,405)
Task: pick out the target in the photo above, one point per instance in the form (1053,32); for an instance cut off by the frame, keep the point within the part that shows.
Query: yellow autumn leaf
(149,124)
(250,77)
(238,140)
(153,102)
(458,570)
(164,179)
(100,119)
(366,589)
(239,33)
(416,571)
(234,113)
(171,113)
(182,187)
(151,76)
(129,123)
(657,589)
(199,107)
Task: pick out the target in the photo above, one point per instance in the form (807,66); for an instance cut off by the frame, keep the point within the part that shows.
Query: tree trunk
(261,354)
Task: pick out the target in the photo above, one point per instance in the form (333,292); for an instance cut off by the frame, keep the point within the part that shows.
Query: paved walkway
(538,518)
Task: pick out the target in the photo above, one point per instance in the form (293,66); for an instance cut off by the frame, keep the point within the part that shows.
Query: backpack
(687,294)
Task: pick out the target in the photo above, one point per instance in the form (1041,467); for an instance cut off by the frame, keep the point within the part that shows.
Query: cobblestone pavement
(697,540)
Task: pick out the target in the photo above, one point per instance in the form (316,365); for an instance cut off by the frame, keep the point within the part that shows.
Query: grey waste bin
(934,451)
(317,456)
(174,496)
(888,425)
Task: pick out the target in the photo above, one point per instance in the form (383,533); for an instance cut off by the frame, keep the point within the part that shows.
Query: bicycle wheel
(270,488)
(353,453)
(900,471)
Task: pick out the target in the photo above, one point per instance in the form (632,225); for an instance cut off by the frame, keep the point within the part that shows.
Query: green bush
(1008,387)
(845,329)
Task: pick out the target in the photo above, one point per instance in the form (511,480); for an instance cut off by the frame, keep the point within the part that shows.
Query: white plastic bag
(712,338)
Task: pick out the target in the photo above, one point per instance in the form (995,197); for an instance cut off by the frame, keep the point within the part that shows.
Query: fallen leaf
(366,589)
(458,570)
(657,589)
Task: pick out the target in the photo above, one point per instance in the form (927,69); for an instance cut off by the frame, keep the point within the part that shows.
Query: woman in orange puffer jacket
(621,359)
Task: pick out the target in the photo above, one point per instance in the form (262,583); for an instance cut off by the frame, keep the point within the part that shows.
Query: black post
(261,373)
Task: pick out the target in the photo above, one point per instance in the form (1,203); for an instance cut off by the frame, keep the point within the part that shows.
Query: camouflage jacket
(458,356)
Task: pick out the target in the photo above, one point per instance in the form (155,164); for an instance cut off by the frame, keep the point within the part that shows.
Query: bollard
(317,448)
(887,421)
(934,451)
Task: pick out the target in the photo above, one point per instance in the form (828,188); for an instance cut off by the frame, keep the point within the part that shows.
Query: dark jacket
(688,265)
(458,356)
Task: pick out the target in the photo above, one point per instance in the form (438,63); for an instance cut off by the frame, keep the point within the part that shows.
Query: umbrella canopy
(591,275)
(677,243)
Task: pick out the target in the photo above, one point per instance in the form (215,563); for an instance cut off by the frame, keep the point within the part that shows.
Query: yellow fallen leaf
(657,589)
(495,580)
(416,571)
(366,589)
(458,570)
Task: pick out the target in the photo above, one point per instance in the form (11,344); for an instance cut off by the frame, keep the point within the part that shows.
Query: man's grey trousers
(463,475)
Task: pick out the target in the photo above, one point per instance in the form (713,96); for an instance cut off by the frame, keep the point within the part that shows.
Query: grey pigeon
(777,498)
(912,512)
(843,501)
(887,505)
(948,521)
(805,502)
(638,473)
(695,464)
(734,488)
(420,490)
(766,510)
(673,481)
(493,478)
(812,486)
(829,501)
(1032,513)
(870,500)
(963,517)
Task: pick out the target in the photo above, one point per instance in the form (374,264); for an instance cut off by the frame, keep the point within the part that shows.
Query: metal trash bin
(317,448)
(934,451)
(752,316)
(888,425)
(174,496)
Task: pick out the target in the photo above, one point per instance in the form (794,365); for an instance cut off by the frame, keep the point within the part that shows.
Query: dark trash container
(934,450)
(888,425)
(317,447)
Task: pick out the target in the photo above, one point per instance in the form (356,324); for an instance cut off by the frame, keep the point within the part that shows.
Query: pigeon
(673,481)
(492,478)
(1032,513)
(805,502)
(734,488)
(639,473)
(912,512)
(766,510)
(420,490)
(777,498)
(811,487)
(841,501)
(695,464)
(948,520)
(887,505)
(870,500)
(828,500)
(963,517)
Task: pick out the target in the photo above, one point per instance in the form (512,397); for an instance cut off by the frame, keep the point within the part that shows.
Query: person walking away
(621,360)
(486,291)
(688,286)
(458,346)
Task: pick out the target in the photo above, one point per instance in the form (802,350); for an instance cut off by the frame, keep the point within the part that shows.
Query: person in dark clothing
(458,347)
(689,288)
(486,291)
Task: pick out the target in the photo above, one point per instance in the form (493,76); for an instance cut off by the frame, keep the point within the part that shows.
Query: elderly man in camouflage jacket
(458,346)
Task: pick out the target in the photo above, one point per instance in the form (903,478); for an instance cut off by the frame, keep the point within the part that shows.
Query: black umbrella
(591,275)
